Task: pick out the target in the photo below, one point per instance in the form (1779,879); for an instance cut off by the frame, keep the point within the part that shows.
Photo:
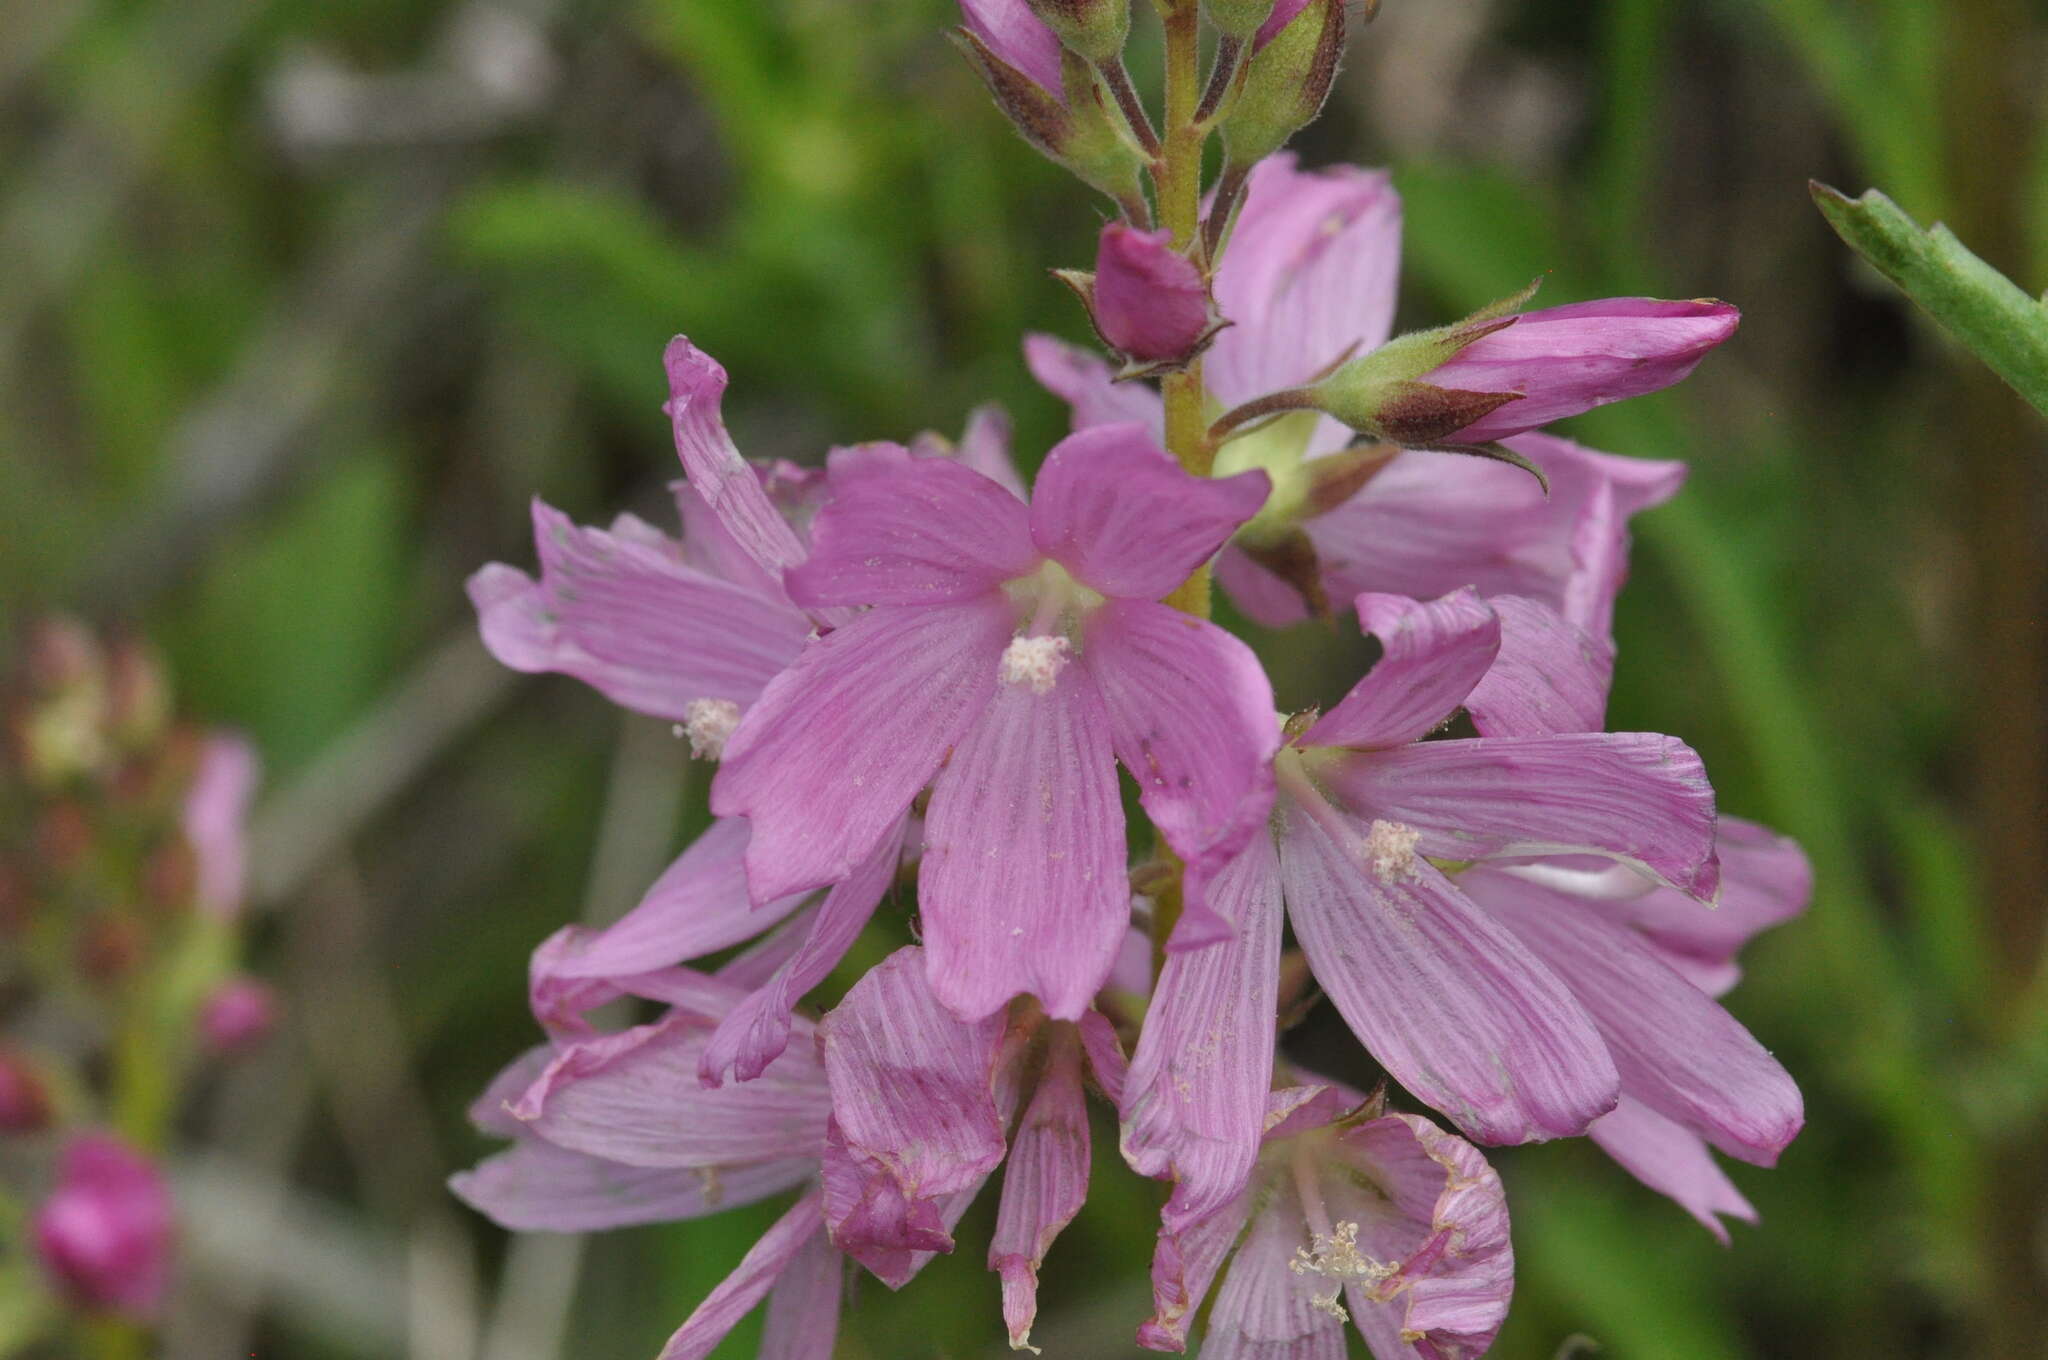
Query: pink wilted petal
(1632,796)
(849,1184)
(985,447)
(1677,1051)
(1765,881)
(1673,1161)
(1019,37)
(1195,1102)
(632,621)
(534,1186)
(803,1312)
(1266,1309)
(1433,655)
(1191,716)
(698,906)
(913,1098)
(1023,886)
(1111,507)
(1149,300)
(1088,386)
(756,1031)
(216,821)
(839,743)
(726,481)
(1310,275)
(1564,360)
(1045,1181)
(104,1233)
(1551,676)
(779,1250)
(634,1097)
(912,532)
(1448,1001)
(1184,1264)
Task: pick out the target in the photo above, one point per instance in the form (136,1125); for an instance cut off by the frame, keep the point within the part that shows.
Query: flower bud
(1071,123)
(24,1100)
(1290,75)
(1242,18)
(1148,301)
(1095,29)
(104,1234)
(140,693)
(238,1015)
(60,728)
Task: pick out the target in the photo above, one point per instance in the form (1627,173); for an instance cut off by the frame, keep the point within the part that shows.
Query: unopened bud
(109,948)
(238,1015)
(1148,301)
(60,726)
(1383,394)
(140,694)
(104,1234)
(24,1099)
(1290,75)
(1074,125)
(1243,18)
(1095,29)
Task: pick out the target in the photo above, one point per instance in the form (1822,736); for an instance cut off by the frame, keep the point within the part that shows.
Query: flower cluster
(121,881)
(912,670)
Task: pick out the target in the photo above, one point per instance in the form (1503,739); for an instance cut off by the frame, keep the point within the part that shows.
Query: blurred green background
(301,301)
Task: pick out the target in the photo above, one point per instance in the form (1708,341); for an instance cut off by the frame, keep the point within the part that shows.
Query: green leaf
(1994,318)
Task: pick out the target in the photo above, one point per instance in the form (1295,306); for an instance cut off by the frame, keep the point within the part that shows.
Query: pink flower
(1018,38)
(238,1015)
(216,821)
(1308,280)
(1386,1222)
(104,1234)
(1008,657)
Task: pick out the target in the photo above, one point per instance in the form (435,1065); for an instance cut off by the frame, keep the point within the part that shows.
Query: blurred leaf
(1995,319)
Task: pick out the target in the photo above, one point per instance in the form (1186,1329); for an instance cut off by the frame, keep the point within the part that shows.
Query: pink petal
(1112,508)
(215,820)
(839,743)
(985,447)
(1565,360)
(803,1312)
(1677,1051)
(633,1097)
(698,906)
(1106,1062)
(1045,1181)
(917,531)
(1149,300)
(1261,596)
(756,1032)
(1086,384)
(1023,886)
(490,1112)
(710,548)
(913,1098)
(1433,655)
(1195,1103)
(1631,796)
(1765,881)
(1018,36)
(1310,275)
(779,1249)
(1672,1161)
(1265,1310)
(849,1184)
(105,1232)
(1551,676)
(1191,716)
(1184,1263)
(632,621)
(534,1186)
(1448,1001)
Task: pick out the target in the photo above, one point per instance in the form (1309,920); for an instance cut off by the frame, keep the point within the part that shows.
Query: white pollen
(1034,661)
(1335,1257)
(708,723)
(1390,850)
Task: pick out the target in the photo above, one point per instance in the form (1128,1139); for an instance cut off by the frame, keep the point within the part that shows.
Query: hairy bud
(1289,78)
(1148,301)
(1243,18)
(1095,29)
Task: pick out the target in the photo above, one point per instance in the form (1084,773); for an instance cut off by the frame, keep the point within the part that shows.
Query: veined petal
(1115,510)
(698,906)
(839,743)
(1018,36)
(1266,1310)
(1765,881)
(756,1031)
(534,1186)
(1087,386)
(632,621)
(709,547)
(1023,886)
(803,1312)
(1184,1264)
(1434,654)
(1677,1051)
(1045,1181)
(1673,1161)
(913,1098)
(1450,1003)
(1195,1102)
(491,1111)
(779,1248)
(912,531)
(985,447)
(1632,796)
(1551,676)
(1191,716)
(849,1185)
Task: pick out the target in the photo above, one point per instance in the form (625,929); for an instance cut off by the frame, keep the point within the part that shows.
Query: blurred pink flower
(238,1015)
(104,1233)
(216,821)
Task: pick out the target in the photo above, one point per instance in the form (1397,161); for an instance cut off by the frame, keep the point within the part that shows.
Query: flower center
(708,723)
(1034,661)
(1334,1256)
(1389,851)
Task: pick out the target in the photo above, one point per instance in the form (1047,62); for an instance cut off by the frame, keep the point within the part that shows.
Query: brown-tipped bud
(170,876)
(140,694)
(24,1096)
(109,949)
(1095,29)
(60,727)
(1147,301)
(1076,127)
(1241,18)
(63,835)
(1289,78)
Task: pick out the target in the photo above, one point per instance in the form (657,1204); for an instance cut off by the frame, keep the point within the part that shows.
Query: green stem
(1179,177)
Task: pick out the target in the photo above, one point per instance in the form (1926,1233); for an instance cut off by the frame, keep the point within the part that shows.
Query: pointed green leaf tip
(1995,319)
